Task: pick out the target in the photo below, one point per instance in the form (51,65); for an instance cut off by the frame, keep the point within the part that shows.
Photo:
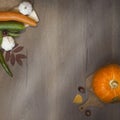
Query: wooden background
(72,40)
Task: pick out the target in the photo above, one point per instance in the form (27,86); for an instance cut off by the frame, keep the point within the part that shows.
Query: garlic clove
(34,16)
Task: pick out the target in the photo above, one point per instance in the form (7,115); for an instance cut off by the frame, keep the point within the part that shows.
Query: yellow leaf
(78,99)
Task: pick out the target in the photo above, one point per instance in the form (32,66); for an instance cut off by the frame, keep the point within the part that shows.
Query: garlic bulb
(25,8)
(7,43)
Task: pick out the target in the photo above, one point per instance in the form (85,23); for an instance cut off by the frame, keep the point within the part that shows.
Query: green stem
(2,60)
(4,65)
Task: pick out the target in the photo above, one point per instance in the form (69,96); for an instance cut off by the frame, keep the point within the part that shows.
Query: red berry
(88,113)
(81,89)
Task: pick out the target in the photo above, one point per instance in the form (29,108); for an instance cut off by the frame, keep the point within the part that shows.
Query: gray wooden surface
(72,40)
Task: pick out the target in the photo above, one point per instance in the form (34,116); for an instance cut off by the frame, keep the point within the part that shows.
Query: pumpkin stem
(113,84)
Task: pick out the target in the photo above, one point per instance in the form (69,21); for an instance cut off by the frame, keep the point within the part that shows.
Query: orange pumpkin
(106,83)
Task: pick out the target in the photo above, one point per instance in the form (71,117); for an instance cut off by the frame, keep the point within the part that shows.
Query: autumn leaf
(14,56)
(18,59)
(12,59)
(7,56)
(18,49)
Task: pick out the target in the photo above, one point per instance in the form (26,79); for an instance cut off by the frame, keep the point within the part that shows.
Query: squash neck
(113,84)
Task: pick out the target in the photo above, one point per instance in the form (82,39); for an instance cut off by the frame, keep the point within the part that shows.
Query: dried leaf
(7,56)
(12,59)
(18,59)
(21,56)
(18,49)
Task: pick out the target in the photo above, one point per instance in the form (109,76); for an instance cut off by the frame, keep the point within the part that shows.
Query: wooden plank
(99,34)
(116,29)
(72,40)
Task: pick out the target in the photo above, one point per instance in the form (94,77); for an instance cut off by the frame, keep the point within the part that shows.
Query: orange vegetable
(106,83)
(15,16)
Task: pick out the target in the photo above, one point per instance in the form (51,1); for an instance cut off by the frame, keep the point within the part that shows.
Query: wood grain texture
(72,40)
(116,31)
